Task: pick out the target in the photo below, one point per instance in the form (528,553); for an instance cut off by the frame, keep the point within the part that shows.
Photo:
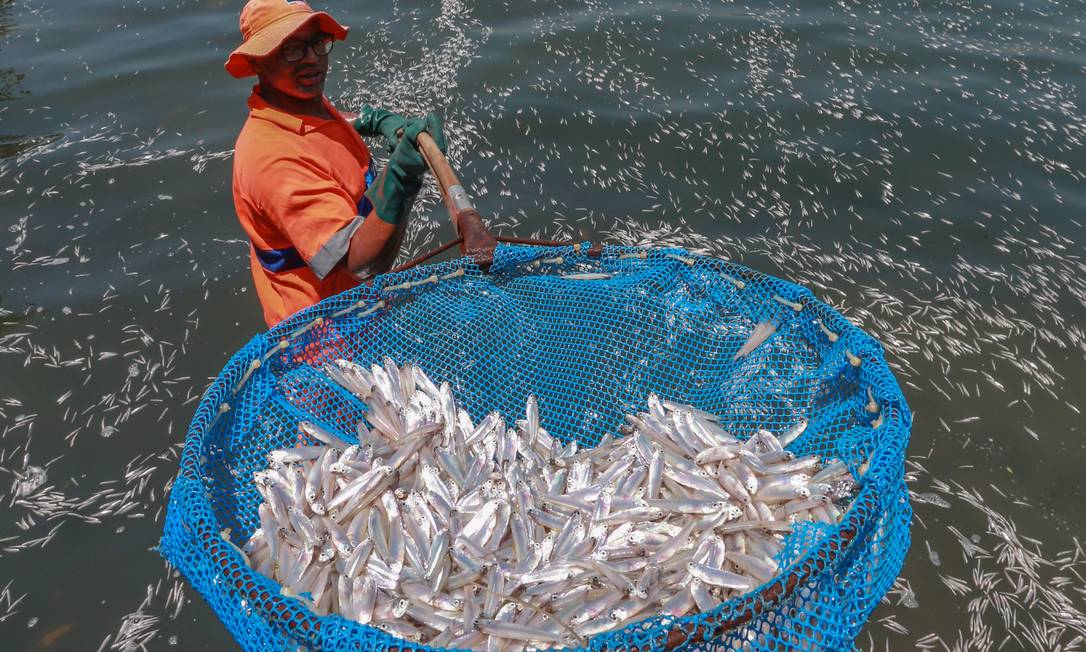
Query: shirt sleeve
(311,209)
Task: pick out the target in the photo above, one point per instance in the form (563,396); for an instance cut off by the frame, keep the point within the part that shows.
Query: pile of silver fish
(455,533)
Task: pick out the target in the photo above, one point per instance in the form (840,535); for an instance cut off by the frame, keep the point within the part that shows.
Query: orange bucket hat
(265,24)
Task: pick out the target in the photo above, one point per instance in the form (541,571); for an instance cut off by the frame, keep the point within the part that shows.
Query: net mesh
(591,349)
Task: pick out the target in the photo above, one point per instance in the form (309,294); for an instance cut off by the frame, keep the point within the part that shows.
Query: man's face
(302,79)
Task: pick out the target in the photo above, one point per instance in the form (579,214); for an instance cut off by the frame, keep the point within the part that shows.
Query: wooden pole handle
(477,241)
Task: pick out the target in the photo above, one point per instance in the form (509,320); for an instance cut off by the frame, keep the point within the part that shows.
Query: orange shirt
(298,191)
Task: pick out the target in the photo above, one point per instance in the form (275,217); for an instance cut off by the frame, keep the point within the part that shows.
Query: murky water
(920,167)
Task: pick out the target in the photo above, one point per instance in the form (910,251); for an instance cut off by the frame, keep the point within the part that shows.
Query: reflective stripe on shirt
(279,260)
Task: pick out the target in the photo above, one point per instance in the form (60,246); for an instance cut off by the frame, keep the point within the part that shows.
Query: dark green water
(918,165)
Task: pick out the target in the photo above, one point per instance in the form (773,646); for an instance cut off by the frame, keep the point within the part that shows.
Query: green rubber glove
(378,122)
(432,124)
(395,189)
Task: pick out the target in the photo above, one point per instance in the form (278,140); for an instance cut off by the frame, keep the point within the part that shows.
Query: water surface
(920,167)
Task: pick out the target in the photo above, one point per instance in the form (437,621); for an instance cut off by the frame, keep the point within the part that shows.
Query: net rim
(384,289)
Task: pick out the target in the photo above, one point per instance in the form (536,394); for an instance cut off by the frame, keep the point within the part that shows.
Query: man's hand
(407,156)
(394,190)
(378,122)
(375,243)
(432,124)
(374,122)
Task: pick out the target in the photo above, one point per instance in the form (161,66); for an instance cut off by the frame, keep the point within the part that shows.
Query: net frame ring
(828,553)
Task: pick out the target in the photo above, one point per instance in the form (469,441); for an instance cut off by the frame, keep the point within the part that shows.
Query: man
(318,216)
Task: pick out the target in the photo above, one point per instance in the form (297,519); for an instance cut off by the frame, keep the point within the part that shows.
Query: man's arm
(374,246)
(377,241)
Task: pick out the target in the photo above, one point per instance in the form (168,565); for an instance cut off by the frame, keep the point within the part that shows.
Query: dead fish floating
(455,533)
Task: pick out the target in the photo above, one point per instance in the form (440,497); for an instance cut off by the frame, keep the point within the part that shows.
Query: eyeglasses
(295,50)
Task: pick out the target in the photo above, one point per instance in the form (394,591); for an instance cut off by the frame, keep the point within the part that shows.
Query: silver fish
(451,532)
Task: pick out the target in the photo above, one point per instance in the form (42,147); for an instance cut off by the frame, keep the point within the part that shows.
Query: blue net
(591,335)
